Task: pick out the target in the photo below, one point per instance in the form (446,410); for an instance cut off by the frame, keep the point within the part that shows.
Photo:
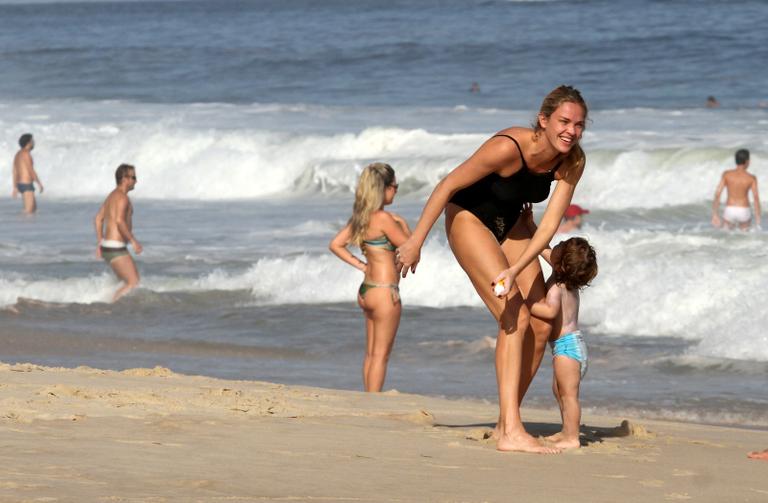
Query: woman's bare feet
(523,442)
(758,455)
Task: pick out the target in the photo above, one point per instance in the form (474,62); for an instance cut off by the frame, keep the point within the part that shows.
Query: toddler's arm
(546,253)
(550,306)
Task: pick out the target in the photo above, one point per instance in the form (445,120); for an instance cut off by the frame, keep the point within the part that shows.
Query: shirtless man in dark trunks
(24,174)
(114,230)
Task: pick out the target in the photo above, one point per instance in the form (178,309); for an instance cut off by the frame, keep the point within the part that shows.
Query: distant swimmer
(24,174)
(712,102)
(112,240)
(572,220)
(738,183)
(758,455)
(474,88)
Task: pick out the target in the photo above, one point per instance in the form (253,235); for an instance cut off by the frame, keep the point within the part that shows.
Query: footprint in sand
(480,435)
(202,484)
(676,496)
(629,429)
(157,371)
(223,392)
(652,483)
(10,415)
(25,367)
(706,443)
(148,442)
(419,417)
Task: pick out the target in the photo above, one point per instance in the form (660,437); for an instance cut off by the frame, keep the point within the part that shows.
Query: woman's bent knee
(514,317)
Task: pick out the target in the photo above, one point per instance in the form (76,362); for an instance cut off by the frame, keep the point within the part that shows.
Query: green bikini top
(381,242)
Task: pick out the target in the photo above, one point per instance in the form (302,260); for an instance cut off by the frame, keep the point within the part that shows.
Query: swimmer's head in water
(556,97)
(123,171)
(25,139)
(574,263)
(742,156)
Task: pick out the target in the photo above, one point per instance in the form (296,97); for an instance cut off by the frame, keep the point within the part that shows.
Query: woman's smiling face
(564,127)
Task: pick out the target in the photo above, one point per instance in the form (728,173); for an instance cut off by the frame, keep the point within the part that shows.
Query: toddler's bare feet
(554,438)
(568,443)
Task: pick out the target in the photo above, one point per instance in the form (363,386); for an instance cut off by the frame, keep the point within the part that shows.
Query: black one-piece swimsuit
(497,200)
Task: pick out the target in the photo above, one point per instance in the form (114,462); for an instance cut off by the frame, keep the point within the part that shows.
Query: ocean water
(249,122)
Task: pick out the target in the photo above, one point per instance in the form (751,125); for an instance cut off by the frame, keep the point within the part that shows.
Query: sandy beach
(249,124)
(154,435)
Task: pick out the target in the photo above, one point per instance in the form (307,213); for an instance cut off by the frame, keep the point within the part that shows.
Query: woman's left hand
(407,256)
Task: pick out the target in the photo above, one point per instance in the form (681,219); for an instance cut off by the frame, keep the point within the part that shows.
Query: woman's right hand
(503,282)
(408,255)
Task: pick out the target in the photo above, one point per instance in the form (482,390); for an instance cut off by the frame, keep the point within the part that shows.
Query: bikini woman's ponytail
(369,197)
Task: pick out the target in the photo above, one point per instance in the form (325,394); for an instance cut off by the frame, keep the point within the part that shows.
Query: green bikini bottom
(366,285)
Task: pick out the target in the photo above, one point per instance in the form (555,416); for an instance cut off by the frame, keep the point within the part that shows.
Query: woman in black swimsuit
(482,199)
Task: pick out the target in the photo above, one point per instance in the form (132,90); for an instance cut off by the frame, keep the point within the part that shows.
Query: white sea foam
(636,158)
(703,287)
(699,287)
(84,290)
(695,284)
(728,416)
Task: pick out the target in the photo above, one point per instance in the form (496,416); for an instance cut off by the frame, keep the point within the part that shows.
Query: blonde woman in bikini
(378,233)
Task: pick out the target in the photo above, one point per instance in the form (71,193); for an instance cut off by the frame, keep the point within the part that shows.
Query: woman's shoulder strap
(522,157)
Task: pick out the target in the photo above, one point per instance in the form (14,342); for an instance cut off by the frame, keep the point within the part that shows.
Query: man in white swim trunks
(112,239)
(738,183)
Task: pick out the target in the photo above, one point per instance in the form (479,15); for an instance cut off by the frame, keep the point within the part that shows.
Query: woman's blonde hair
(369,197)
(555,98)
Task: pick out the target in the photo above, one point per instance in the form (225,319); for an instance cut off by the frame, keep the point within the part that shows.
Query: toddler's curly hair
(574,263)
